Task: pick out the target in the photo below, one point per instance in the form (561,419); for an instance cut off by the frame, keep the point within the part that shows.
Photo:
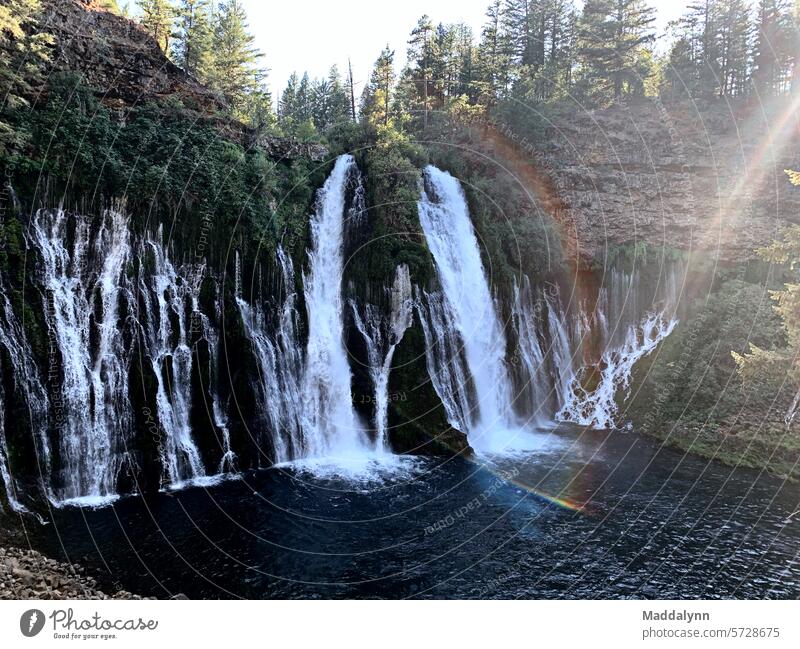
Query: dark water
(633,521)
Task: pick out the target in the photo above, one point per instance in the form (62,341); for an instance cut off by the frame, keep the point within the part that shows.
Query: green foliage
(158,18)
(235,71)
(695,372)
(392,184)
(494,55)
(309,108)
(194,43)
(217,48)
(23,53)
(166,166)
(376,101)
(612,35)
(775,46)
(783,363)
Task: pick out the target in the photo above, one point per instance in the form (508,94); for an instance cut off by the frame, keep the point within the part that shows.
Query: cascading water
(629,330)
(530,352)
(27,385)
(598,407)
(210,334)
(82,315)
(168,298)
(444,360)
(382,335)
(9,487)
(279,362)
(470,310)
(330,424)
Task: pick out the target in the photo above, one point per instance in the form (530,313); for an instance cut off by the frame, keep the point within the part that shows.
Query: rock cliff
(704,178)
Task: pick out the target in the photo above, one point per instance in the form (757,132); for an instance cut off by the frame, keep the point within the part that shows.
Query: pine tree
(351,89)
(612,35)
(680,69)
(541,33)
(339,98)
(421,56)
(466,56)
(772,55)
(734,45)
(288,101)
(519,19)
(303,109)
(702,30)
(158,20)
(555,75)
(494,54)
(795,48)
(376,100)
(192,49)
(235,72)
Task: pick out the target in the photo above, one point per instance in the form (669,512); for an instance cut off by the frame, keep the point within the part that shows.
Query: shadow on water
(583,514)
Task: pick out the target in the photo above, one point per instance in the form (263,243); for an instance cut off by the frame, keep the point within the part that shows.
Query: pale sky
(312,35)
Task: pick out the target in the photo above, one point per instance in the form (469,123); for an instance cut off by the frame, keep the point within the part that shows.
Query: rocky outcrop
(287,148)
(705,178)
(117,58)
(125,67)
(27,574)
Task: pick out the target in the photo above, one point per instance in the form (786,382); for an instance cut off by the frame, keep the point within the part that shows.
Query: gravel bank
(27,574)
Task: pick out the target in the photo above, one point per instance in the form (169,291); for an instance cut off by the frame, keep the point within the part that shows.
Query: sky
(312,35)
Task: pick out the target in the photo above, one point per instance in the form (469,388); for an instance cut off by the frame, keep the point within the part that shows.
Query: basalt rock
(706,178)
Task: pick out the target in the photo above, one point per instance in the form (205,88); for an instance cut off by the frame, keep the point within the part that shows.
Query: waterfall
(279,362)
(330,424)
(168,298)
(381,336)
(8,484)
(597,407)
(468,311)
(28,387)
(444,360)
(629,329)
(218,416)
(466,346)
(561,352)
(82,316)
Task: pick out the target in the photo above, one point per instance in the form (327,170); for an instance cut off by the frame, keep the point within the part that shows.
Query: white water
(219,418)
(444,360)
(93,414)
(28,387)
(168,299)
(629,328)
(382,335)
(279,361)
(598,407)
(330,424)
(5,474)
(530,352)
(469,310)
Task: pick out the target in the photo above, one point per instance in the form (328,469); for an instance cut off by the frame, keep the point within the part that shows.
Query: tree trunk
(352,91)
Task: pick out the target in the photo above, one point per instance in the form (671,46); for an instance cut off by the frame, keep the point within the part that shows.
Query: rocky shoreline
(28,574)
